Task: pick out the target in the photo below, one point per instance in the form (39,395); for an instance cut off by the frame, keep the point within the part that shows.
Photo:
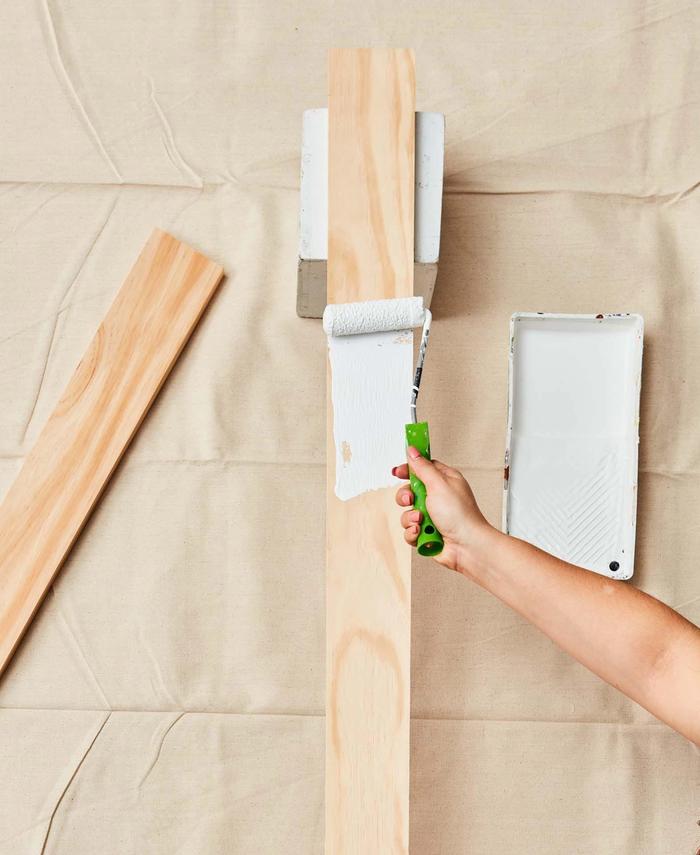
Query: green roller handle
(430,540)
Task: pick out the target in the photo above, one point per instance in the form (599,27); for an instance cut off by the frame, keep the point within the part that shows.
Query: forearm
(627,637)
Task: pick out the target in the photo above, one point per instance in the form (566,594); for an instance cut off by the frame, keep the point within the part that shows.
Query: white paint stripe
(370,388)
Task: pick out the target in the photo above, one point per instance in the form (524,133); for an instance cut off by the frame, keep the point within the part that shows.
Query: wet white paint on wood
(371,383)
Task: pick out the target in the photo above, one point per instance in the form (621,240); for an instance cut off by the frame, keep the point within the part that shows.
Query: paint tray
(573,432)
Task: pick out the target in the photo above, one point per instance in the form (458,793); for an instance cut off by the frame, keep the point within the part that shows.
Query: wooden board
(368,576)
(110,392)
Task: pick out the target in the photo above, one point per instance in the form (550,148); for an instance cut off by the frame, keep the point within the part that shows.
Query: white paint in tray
(371,377)
(573,433)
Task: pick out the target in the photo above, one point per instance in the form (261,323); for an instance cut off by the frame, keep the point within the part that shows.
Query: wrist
(476,551)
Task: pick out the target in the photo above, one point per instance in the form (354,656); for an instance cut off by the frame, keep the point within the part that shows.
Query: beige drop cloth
(169,696)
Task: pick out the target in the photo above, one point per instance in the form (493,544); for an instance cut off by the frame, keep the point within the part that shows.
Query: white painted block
(572,437)
(313,214)
(430,157)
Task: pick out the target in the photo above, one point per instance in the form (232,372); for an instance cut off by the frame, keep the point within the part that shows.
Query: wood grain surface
(106,399)
(368,612)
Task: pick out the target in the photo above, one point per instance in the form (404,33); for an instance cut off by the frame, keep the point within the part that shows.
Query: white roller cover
(372,316)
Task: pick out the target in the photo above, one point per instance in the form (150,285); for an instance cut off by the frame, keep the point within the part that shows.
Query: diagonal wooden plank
(370,256)
(105,401)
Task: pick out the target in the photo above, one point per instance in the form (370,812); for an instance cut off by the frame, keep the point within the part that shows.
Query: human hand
(451,505)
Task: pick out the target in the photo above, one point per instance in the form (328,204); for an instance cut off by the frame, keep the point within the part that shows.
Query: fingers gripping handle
(429,539)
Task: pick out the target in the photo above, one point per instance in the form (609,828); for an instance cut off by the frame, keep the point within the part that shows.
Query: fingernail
(413,452)
(415,516)
(393,471)
(406,499)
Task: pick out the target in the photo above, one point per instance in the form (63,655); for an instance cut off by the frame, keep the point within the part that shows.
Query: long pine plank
(105,401)
(368,574)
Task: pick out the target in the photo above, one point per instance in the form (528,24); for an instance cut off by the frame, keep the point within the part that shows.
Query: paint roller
(372,316)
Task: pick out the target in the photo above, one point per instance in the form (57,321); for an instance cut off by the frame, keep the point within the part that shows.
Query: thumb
(424,469)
